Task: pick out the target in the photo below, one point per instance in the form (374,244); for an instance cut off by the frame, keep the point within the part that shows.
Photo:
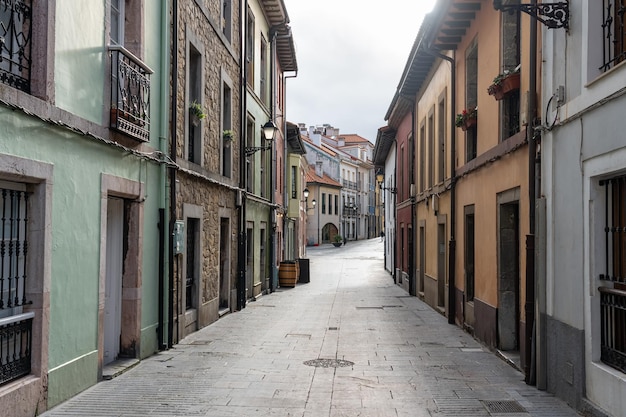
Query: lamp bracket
(553,15)
(250,151)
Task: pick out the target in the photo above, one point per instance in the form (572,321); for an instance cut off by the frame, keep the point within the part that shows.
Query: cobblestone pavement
(383,353)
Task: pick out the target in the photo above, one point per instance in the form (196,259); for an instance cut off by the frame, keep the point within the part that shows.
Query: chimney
(318,169)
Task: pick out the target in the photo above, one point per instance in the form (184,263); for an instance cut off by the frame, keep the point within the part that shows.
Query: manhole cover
(504,407)
(328,363)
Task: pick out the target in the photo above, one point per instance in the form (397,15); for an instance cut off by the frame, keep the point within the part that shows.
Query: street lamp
(380,178)
(269,132)
(306,200)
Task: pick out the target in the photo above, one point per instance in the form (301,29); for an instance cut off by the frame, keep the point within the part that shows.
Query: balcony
(130,95)
(15,346)
(15,44)
(613,332)
(350,185)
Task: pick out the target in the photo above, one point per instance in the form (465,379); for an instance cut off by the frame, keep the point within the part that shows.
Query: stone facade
(207,185)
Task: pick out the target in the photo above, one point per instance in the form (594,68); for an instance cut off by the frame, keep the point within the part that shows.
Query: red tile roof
(311,176)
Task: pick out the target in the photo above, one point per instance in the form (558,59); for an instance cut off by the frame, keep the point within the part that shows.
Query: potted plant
(228,135)
(195,113)
(467,118)
(504,83)
(338,241)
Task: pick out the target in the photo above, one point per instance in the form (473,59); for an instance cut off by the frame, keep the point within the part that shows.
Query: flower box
(469,123)
(466,119)
(504,84)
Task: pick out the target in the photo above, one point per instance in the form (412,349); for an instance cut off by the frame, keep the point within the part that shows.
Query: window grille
(13,248)
(613,299)
(614,33)
(15,43)
(15,328)
(615,230)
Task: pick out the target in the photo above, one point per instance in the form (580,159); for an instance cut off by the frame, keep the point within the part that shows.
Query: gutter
(241,241)
(162,345)
(529,306)
(173,137)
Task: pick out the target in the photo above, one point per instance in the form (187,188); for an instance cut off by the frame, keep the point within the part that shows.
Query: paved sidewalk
(384,354)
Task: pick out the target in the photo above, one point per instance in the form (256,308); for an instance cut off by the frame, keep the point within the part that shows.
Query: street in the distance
(349,343)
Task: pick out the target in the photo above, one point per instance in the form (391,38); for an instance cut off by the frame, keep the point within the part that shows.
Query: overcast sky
(351,54)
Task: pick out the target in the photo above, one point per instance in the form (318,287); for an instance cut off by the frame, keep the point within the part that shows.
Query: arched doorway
(328,233)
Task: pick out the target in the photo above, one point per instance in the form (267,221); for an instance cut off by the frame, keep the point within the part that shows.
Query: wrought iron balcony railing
(351,185)
(15,43)
(16,337)
(130,94)
(613,331)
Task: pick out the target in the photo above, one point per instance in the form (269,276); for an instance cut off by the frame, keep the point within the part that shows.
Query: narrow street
(349,343)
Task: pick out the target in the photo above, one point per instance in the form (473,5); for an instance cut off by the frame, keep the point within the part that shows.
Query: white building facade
(581,300)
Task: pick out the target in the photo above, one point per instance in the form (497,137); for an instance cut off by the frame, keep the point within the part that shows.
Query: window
(469,253)
(402,165)
(614,33)
(15,48)
(323,203)
(263,253)
(263,171)
(510,61)
(412,159)
(117,22)
(336,204)
(422,153)
(441,139)
(191,262)
(263,84)
(294,179)
(431,148)
(227,18)
(194,134)
(250,159)
(612,298)
(250,49)
(330,204)
(16,330)
(471,98)
(227,115)
(130,78)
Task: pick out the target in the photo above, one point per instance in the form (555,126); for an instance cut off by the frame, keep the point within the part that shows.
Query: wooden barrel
(287,274)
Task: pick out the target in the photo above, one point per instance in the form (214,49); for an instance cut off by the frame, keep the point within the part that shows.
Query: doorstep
(118,367)
(512,357)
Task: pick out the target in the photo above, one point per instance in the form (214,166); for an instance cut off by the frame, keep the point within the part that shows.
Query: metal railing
(613,331)
(130,94)
(15,43)
(16,336)
(351,185)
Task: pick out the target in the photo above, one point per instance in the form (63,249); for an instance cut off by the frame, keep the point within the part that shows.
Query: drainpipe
(412,277)
(452,242)
(529,307)
(163,221)
(173,138)
(286,172)
(241,242)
